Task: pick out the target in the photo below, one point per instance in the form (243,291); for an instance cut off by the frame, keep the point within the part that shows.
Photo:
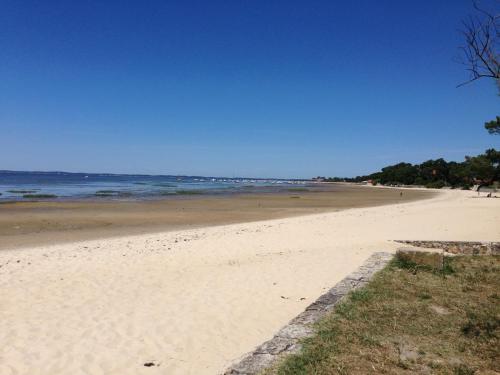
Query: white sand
(195,300)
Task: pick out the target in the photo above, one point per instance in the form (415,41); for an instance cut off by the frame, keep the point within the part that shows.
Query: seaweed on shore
(16,191)
(41,196)
(164,184)
(166,192)
(107,192)
(112,193)
(189,192)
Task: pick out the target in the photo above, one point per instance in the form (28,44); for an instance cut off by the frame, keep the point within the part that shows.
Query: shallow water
(61,185)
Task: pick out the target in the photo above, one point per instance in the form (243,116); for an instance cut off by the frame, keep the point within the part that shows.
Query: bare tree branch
(481,52)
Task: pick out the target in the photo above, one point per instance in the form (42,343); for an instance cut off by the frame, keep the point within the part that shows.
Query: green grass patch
(416,316)
(416,261)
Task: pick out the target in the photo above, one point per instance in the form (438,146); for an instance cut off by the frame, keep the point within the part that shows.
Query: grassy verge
(416,316)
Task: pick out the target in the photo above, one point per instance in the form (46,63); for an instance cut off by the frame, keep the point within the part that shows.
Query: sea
(28,186)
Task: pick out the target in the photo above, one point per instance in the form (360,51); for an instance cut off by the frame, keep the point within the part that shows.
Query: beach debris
(149,364)
(285,297)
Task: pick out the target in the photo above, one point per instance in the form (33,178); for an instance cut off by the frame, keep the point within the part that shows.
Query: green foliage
(482,166)
(403,173)
(435,185)
(483,169)
(493,126)
(423,261)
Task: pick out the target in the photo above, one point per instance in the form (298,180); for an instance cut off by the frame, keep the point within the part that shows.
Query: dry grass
(416,316)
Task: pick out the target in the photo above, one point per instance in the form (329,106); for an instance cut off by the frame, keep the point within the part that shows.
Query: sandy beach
(191,301)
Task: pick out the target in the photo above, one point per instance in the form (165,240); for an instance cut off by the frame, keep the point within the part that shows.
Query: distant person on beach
(400,193)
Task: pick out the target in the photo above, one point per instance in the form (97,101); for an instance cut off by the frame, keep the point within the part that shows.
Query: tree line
(483,170)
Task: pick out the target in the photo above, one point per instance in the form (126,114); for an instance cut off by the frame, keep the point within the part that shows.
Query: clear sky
(260,88)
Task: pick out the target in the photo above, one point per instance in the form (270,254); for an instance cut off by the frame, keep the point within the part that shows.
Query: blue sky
(236,88)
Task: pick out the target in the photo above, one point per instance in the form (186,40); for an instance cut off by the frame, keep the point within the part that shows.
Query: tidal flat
(34,223)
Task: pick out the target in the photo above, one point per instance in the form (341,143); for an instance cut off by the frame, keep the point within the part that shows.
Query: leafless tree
(481,51)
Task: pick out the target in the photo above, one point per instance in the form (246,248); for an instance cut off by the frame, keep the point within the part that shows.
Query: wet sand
(26,224)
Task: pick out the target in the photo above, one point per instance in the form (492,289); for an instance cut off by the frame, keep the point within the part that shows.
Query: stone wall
(287,340)
(459,247)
